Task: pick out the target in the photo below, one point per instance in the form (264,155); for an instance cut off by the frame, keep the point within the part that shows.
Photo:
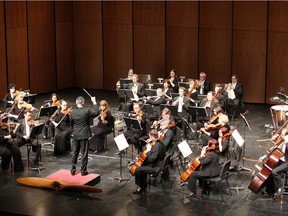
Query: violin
(103,115)
(56,103)
(195,84)
(9,125)
(26,105)
(17,92)
(67,111)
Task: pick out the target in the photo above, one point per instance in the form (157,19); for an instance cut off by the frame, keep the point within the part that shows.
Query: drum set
(279,113)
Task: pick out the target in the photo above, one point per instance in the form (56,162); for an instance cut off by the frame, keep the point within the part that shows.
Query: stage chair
(224,174)
(107,134)
(162,175)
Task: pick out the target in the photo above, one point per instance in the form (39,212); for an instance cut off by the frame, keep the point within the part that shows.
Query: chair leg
(228,187)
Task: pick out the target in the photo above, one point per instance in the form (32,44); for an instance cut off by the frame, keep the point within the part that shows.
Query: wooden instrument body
(195,165)
(257,183)
(139,162)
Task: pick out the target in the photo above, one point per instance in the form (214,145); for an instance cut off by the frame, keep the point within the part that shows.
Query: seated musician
(223,140)
(155,103)
(156,153)
(167,89)
(61,121)
(166,133)
(220,96)
(209,161)
(137,89)
(210,129)
(9,97)
(16,111)
(23,136)
(274,183)
(8,149)
(235,95)
(210,102)
(203,86)
(104,126)
(49,129)
(133,135)
(118,86)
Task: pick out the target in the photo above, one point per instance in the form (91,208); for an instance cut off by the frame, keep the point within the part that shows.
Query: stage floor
(117,197)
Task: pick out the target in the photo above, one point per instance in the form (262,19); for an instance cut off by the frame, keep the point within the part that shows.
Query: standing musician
(137,90)
(8,149)
(81,131)
(167,89)
(203,86)
(209,160)
(104,126)
(49,127)
(174,80)
(133,135)
(23,134)
(275,183)
(192,92)
(9,97)
(155,151)
(61,121)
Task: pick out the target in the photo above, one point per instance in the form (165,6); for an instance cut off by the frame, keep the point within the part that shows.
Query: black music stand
(200,97)
(172,108)
(121,144)
(36,130)
(30,98)
(47,111)
(133,124)
(124,83)
(197,112)
(157,85)
(150,92)
(174,95)
(148,109)
(129,94)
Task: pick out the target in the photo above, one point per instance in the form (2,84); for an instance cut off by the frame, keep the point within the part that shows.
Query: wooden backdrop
(46,45)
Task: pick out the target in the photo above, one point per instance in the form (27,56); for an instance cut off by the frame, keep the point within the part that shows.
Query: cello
(272,159)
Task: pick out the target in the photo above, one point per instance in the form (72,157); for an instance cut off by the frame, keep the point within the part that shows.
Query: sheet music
(238,138)
(185,148)
(121,142)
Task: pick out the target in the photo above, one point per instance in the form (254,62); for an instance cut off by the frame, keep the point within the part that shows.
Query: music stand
(186,151)
(200,97)
(184,84)
(36,130)
(129,94)
(47,111)
(148,109)
(172,108)
(124,82)
(121,144)
(30,98)
(174,95)
(150,92)
(157,85)
(197,112)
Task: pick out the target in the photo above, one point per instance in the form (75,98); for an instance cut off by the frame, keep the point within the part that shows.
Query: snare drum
(279,116)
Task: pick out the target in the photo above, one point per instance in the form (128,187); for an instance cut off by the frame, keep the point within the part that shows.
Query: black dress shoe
(85,173)
(72,172)
(139,190)
(266,194)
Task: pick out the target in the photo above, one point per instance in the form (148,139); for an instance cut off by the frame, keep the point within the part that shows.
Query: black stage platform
(118,199)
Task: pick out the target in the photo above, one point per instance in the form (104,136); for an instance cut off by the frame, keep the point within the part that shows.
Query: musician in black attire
(137,90)
(81,130)
(209,160)
(155,155)
(8,149)
(155,103)
(9,97)
(104,126)
(203,86)
(61,120)
(133,135)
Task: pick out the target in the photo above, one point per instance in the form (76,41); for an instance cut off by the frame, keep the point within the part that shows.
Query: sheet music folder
(132,123)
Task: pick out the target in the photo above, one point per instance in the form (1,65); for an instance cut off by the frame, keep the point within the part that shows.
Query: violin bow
(56,185)
(64,116)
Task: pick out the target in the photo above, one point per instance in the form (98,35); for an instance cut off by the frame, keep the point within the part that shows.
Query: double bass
(272,159)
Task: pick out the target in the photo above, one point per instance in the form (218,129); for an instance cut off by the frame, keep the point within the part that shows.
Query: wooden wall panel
(149,38)
(17,44)
(3,73)
(182,38)
(88,57)
(215,40)
(41,46)
(64,44)
(117,41)
(249,48)
(277,62)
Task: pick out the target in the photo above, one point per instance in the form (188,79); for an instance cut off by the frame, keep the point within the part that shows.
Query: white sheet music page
(238,138)
(121,142)
(185,148)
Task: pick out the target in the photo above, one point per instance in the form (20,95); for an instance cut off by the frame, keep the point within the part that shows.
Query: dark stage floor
(118,199)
